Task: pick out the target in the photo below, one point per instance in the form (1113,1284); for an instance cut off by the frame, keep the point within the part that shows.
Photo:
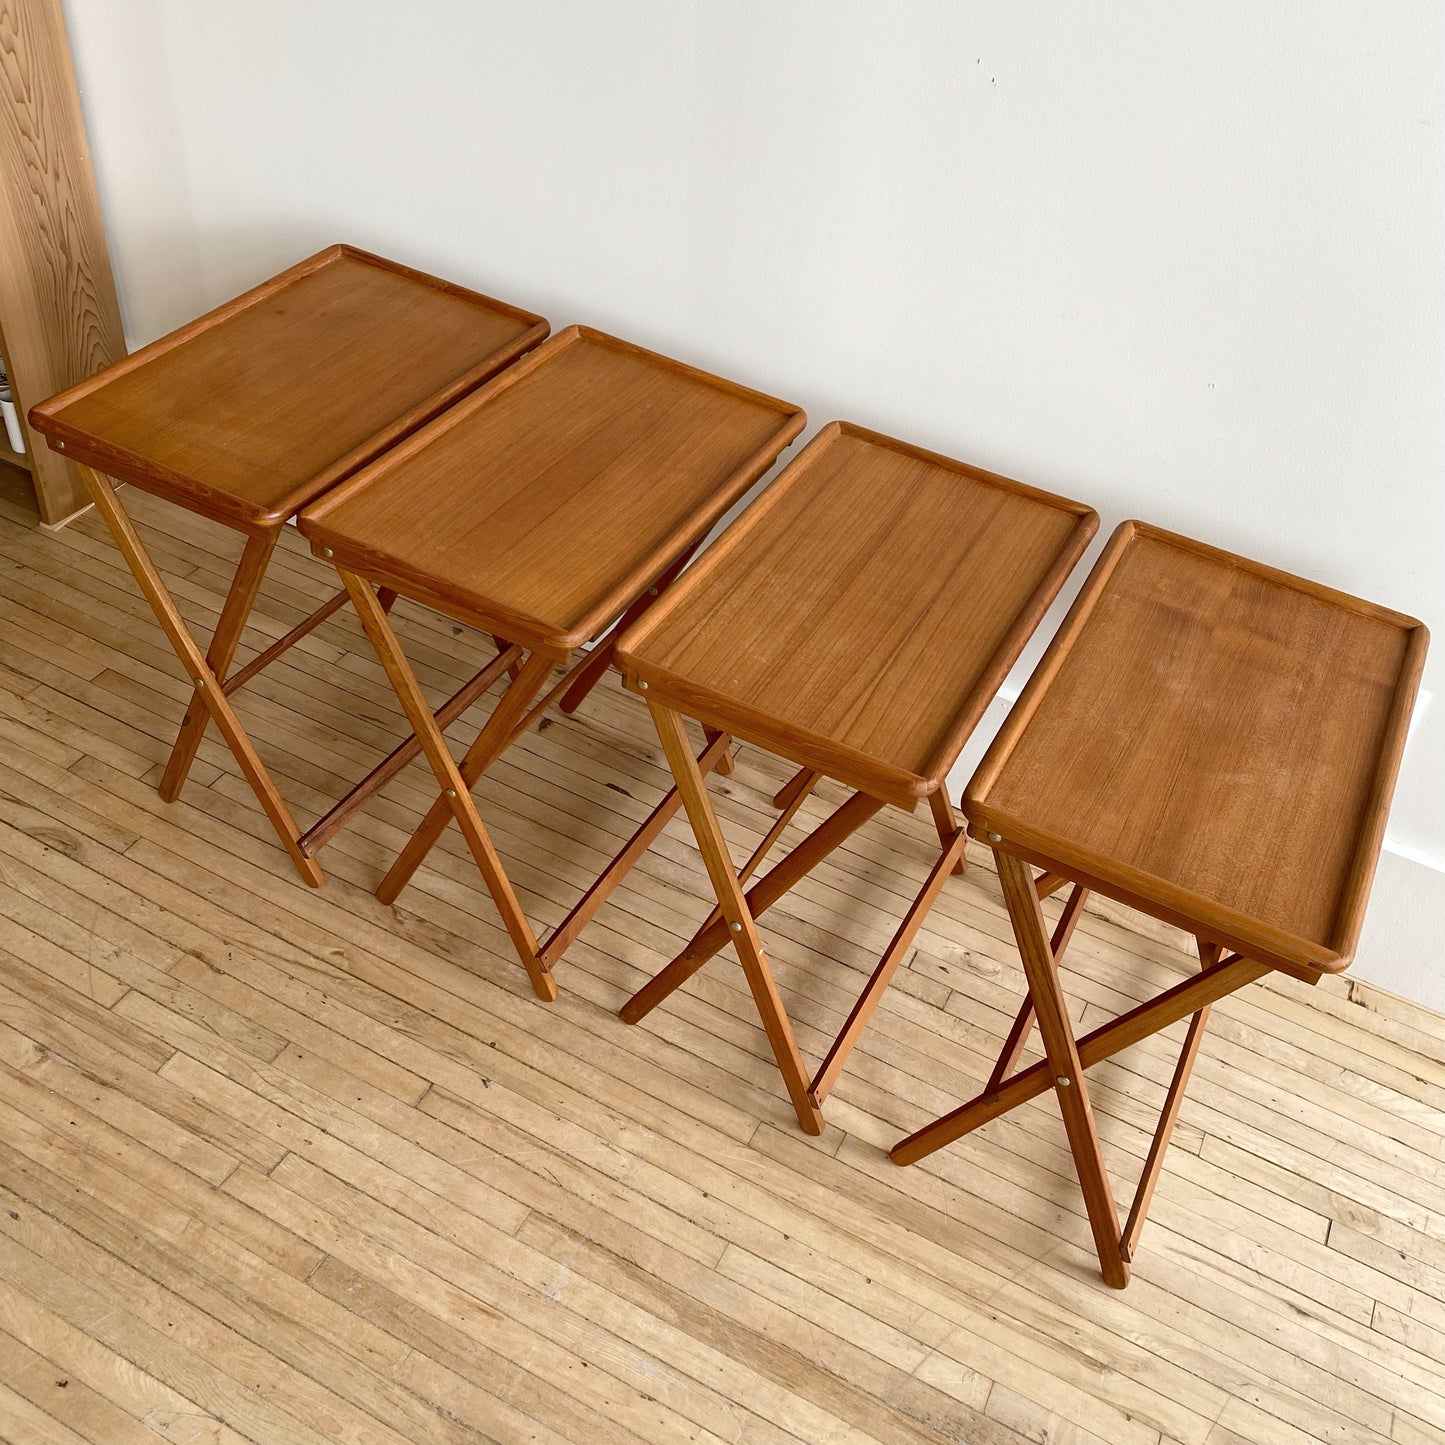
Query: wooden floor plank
(278,1164)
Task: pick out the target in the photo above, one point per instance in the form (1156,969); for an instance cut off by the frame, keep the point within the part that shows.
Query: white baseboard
(1402,947)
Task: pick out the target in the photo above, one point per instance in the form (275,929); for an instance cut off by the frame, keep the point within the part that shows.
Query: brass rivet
(199,681)
(1062,1082)
(642,686)
(995,837)
(451,792)
(736,927)
(327,552)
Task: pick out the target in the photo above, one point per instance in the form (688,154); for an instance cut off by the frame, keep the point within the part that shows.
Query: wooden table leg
(947,824)
(1068,1058)
(739,925)
(588,905)
(893,955)
(488,746)
(1209,954)
(760,897)
(716,930)
(210,687)
(255,558)
(600,658)
(755,858)
(1047,884)
(514,667)
(1057,1033)
(796,788)
(1018,1034)
(219,656)
(725,760)
(1102,1043)
(326,827)
(456,792)
(265,658)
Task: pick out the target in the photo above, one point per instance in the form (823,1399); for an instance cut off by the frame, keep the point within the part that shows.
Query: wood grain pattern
(253,409)
(390,1194)
(58,305)
(863,612)
(544,504)
(1213,740)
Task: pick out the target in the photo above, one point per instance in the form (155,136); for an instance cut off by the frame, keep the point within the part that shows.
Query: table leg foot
(544,983)
(655,990)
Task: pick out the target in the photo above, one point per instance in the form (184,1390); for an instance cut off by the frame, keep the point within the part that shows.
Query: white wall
(1184,262)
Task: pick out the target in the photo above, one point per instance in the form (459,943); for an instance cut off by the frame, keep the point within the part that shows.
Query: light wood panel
(57,296)
(286,1165)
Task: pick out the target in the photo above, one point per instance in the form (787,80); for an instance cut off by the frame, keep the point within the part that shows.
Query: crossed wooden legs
(1067,1057)
(206,678)
(562,937)
(456,782)
(734,918)
(229,627)
(214,683)
(513,715)
(255,558)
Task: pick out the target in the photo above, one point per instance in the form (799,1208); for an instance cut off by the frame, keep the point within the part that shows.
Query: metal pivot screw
(60,446)
(199,681)
(652,591)
(641,686)
(1062,1082)
(451,792)
(995,837)
(327,552)
(736,927)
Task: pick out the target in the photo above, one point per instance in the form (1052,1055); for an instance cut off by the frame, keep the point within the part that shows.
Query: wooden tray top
(252,410)
(863,612)
(542,505)
(1213,741)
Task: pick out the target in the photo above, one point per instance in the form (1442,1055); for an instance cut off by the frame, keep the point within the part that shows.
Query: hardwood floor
(279,1165)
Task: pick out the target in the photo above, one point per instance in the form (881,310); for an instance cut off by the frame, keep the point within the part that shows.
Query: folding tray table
(857,620)
(1215,743)
(563,496)
(250,412)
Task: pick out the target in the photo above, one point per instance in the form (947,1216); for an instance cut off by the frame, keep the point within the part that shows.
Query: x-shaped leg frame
(735,917)
(1067,1057)
(214,683)
(514,714)
(207,673)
